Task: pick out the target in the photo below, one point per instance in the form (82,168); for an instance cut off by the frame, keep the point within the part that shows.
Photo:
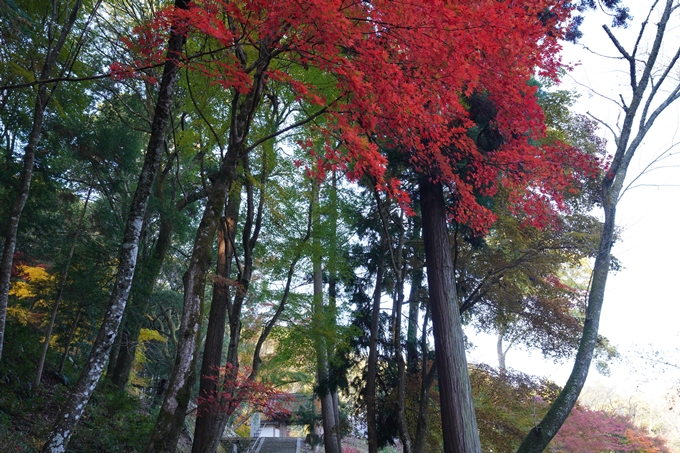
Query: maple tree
(392,87)
(397,76)
(587,430)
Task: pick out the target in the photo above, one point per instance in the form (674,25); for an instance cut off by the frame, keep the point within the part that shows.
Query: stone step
(267,445)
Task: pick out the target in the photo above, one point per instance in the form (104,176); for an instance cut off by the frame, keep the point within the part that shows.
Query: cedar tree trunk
(458,413)
(371,415)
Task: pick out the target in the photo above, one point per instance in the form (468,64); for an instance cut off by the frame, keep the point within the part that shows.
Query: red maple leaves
(589,430)
(401,72)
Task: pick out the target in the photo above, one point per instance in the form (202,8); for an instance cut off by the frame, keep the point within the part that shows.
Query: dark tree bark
(427,379)
(208,396)
(60,435)
(414,299)
(398,303)
(458,413)
(172,413)
(42,99)
(643,107)
(371,414)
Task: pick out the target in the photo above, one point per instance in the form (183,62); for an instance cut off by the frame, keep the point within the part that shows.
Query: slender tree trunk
(404,433)
(57,300)
(332,295)
(60,435)
(69,340)
(500,352)
(143,285)
(319,320)
(643,109)
(171,417)
(211,429)
(414,300)
(427,379)
(541,435)
(458,414)
(41,102)
(371,415)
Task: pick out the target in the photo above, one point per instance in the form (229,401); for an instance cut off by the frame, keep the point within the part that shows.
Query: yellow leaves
(36,277)
(145,335)
(19,314)
(32,288)
(151,335)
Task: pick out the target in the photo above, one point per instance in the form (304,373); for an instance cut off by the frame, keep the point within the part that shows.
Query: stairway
(263,444)
(279,445)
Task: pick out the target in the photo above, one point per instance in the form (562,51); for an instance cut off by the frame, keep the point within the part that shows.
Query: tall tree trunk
(61,433)
(371,415)
(171,417)
(208,397)
(213,427)
(69,340)
(458,413)
(332,295)
(399,267)
(57,300)
(414,299)
(541,435)
(319,321)
(398,303)
(427,379)
(627,144)
(143,284)
(41,101)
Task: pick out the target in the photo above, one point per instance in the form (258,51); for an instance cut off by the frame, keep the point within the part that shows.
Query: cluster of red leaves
(403,70)
(590,431)
(18,263)
(237,389)
(146,45)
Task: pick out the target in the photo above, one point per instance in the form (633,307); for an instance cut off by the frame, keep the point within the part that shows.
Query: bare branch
(626,55)
(616,137)
(642,28)
(666,154)
(292,126)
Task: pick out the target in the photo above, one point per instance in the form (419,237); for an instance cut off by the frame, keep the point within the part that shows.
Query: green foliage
(508,405)
(114,422)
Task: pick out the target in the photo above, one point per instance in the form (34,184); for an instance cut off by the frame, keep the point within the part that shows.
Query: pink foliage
(590,431)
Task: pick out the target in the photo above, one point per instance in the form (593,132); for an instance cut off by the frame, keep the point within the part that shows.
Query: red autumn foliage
(18,262)
(239,389)
(590,431)
(402,72)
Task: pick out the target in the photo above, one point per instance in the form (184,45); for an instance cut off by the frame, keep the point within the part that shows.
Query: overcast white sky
(642,302)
